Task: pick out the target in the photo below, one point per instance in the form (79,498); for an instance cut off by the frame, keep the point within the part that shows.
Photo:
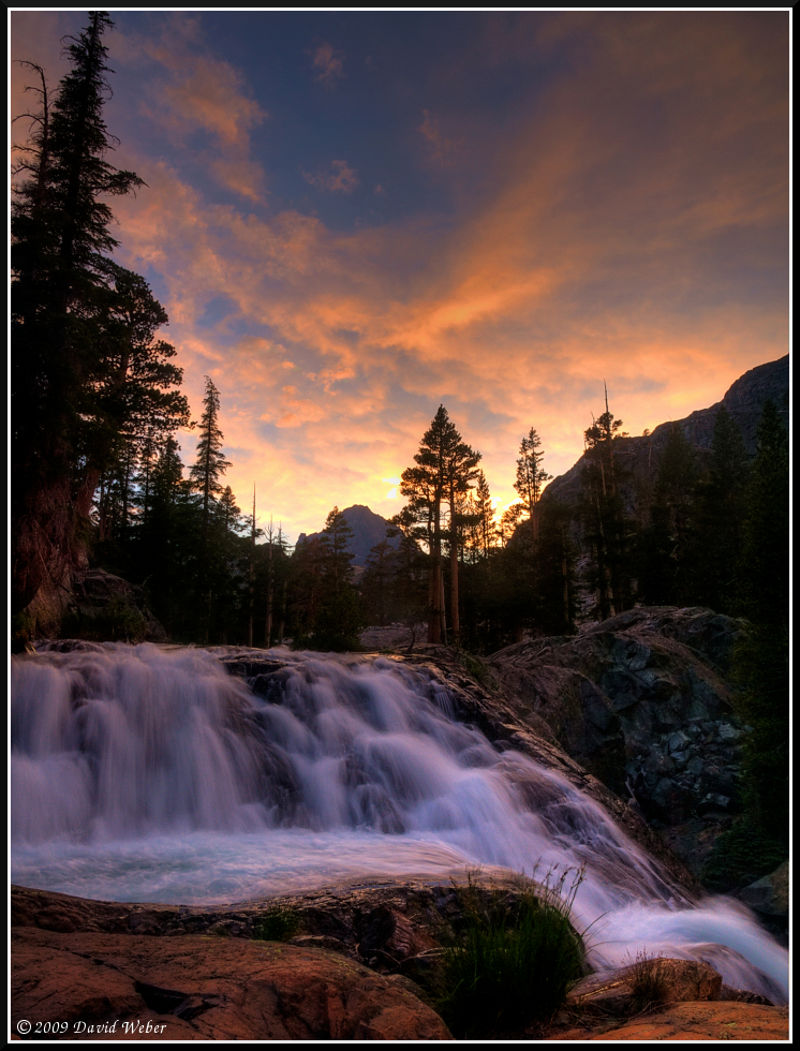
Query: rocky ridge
(744,401)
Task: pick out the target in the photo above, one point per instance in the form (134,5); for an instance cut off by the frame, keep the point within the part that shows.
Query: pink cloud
(328,64)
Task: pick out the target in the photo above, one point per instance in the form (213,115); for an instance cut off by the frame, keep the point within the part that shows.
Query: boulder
(647,982)
(769,898)
(106,607)
(205,987)
(643,702)
(199,973)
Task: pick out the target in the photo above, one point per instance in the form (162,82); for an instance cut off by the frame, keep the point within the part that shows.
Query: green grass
(276,925)
(511,964)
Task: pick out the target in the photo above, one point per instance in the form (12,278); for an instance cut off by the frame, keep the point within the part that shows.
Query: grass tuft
(276,925)
(511,964)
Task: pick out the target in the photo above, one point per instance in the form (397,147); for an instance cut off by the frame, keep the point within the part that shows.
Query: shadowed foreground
(123,971)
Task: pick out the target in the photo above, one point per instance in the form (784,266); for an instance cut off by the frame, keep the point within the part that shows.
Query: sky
(352,217)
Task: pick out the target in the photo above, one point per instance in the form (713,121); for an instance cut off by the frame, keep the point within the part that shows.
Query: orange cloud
(192,92)
(329,64)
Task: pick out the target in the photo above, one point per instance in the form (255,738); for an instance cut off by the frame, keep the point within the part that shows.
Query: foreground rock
(688,1021)
(665,999)
(182,973)
(205,987)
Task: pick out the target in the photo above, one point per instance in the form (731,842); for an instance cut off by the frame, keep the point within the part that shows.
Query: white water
(150,774)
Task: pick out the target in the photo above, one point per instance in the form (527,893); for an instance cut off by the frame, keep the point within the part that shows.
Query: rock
(769,896)
(381,924)
(688,1021)
(191,986)
(643,703)
(104,606)
(645,982)
(209,988)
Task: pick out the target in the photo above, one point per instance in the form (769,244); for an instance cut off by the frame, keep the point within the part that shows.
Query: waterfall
(148,773)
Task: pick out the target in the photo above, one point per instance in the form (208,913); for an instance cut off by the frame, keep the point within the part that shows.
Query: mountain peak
(368,529)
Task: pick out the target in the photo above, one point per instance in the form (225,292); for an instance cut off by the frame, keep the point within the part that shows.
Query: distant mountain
(638,457)
(368,529)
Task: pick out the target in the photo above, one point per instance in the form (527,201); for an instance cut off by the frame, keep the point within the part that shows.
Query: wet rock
(668,737)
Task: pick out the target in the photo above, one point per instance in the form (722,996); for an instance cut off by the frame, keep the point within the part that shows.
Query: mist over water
(145,773)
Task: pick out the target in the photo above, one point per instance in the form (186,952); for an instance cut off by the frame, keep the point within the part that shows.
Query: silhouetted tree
(445,468)
(668,545)
(531,476)
(210,464)
(604,516)
(721,505)
(64,303)
(762,658)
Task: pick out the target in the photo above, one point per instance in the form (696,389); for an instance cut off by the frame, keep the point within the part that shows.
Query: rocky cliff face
(644,702)
(638,457)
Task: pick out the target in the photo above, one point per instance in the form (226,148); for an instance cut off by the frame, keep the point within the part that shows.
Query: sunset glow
(353,217)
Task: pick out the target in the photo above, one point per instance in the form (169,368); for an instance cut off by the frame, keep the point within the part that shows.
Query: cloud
(201,103)
(440,147)
(328,63)
(626,226)
(340,178)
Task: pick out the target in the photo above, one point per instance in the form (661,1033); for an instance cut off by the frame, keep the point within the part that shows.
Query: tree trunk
(455,622)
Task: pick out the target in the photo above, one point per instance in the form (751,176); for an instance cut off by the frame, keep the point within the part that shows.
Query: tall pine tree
(604,517)
(445,469)
(66,312)
(210,463)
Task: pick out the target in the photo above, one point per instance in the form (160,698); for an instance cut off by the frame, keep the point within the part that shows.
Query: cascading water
(145,773)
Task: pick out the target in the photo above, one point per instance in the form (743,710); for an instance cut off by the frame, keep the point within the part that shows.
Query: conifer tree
(668,545)
(210,463)
(604,516)
(762,658)
(531,476)
(721,508)
(66,313)
(445,469)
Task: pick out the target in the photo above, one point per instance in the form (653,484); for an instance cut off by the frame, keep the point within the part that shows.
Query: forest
(98,480)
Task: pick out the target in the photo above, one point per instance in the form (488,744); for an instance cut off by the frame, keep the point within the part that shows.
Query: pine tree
(484,515)
(721,508)
(210,463)
(531,476)
(325,604)
(66,328)
(762,656)
(607,528)
(445,469)
(668,545)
